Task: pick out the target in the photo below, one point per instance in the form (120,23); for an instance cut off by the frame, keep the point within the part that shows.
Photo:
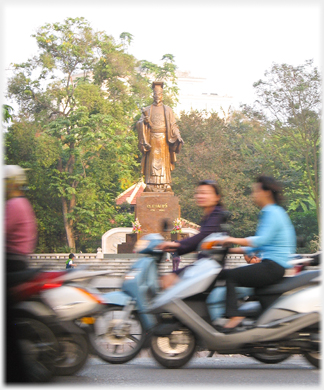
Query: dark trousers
(175,263)
(255,275)
(15,371)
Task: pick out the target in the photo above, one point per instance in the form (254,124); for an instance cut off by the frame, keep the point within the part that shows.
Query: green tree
(212,150)
(289,106)
(166,72)
(81,96)
(234,151)
(26,147)
(126,38)
(6,113)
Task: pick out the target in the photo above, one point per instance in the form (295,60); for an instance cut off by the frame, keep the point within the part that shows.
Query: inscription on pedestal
(152,209)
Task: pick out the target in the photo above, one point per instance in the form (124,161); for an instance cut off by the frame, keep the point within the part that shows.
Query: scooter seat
(288,283)
(14,278)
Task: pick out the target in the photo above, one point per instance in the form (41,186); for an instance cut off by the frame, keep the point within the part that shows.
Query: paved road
(220,370)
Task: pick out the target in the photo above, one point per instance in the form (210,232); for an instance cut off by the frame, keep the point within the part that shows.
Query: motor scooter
(74,301)
(302,263)
(125,327)
(58,301)
(118,333)
(280,319)
(30,327)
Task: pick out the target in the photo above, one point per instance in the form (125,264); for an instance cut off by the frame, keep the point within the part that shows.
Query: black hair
(214,185)
(71,255)
(268,183)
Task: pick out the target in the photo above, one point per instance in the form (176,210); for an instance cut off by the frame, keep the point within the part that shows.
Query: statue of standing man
(158,140)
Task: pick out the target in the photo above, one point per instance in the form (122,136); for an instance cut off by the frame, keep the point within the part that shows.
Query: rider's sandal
(222,329)
(232,325)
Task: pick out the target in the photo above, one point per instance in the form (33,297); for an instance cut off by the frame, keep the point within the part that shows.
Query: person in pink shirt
(20,220)
(20,241)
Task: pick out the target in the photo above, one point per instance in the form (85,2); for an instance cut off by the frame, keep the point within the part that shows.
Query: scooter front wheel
(117,340)
(174,350)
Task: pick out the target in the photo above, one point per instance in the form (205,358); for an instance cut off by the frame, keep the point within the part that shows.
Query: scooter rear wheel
(39,349)
(270,357)
(117,348)
(73,354)
(314,358)
(174,350)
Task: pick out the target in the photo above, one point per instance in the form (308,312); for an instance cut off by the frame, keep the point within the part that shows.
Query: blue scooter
(119,333)
(124,328)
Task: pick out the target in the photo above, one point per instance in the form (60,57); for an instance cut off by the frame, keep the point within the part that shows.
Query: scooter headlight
(141,245)
(208,245)
(212,241)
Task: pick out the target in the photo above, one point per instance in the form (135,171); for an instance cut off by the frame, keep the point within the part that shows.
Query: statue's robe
(159,144)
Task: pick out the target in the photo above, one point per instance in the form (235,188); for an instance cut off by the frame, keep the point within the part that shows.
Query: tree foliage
(289,106)
(6,113)
(79,97)
(234,151)
(213,151)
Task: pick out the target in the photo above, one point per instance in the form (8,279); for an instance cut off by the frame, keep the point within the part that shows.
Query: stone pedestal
(128,246)
(153,208)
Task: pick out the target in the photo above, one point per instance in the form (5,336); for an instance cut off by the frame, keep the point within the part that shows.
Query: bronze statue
(159,140)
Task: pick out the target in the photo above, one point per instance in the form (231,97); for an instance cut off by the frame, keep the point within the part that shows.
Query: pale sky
(231,43)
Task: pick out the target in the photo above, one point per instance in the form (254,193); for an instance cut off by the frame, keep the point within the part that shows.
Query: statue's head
(157,87)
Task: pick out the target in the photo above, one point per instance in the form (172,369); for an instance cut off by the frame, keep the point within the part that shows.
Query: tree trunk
(68,225)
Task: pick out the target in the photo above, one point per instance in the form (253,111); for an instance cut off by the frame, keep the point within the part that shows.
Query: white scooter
(61,300)
(280,320)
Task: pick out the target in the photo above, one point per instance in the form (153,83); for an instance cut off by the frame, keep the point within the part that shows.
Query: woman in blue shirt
(274,241)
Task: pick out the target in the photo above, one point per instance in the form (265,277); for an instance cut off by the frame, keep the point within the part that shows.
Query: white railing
(56,259)
(98,260)
(57,256)
(98,255)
